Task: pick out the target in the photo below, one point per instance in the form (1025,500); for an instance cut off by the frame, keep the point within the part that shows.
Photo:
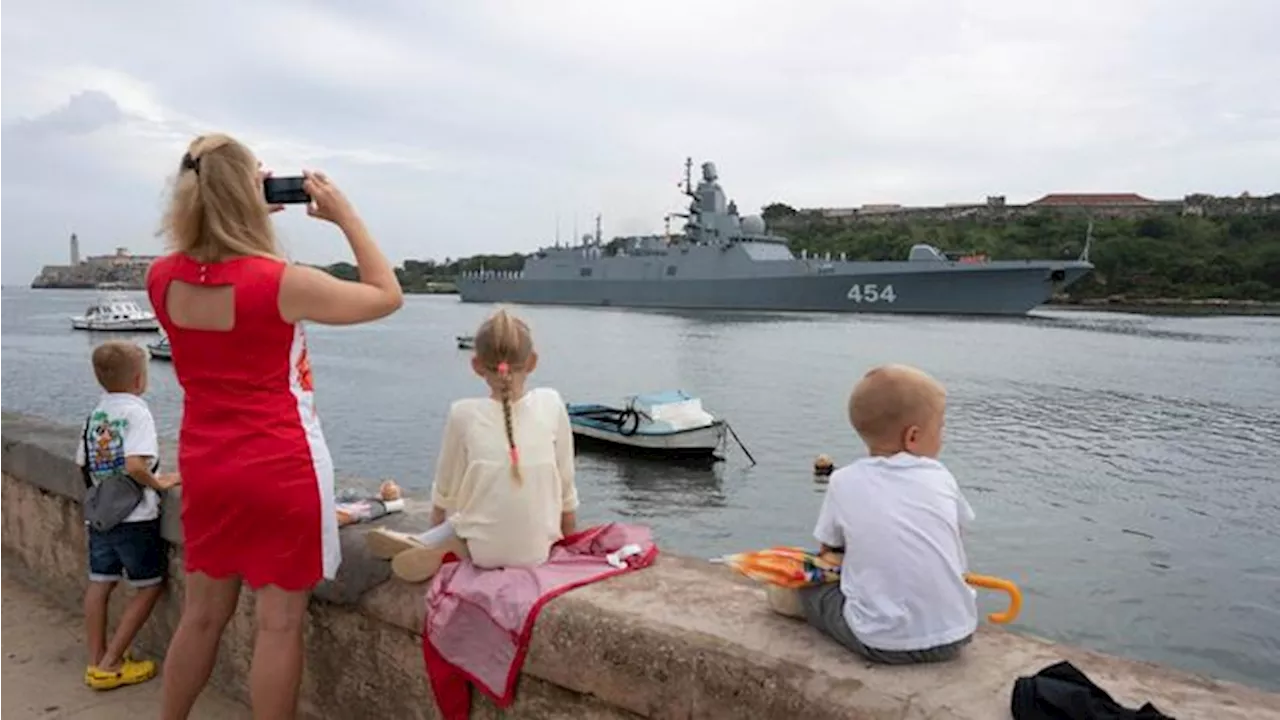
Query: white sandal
(421,563)
(385,544)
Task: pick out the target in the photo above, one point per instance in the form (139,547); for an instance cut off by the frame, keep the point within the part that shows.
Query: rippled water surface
(1125,469)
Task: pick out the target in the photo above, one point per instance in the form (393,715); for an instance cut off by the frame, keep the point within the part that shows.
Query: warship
(724,261)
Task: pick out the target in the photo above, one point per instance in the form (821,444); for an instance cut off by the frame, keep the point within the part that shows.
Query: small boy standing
(120,440)
(896,515)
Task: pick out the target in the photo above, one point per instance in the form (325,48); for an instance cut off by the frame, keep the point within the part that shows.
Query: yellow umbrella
(990,582)
(793,567)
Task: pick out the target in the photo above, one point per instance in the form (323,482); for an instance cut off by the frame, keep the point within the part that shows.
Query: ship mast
(598,234)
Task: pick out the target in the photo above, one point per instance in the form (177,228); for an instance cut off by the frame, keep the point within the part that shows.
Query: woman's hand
(263,174)
(327,201)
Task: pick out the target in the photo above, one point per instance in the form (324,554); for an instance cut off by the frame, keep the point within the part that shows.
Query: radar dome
(753,225)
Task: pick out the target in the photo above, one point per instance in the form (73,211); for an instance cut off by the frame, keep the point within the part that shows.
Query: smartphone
(284,190)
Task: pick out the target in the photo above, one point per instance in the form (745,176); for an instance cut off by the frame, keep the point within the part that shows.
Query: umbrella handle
(994,583)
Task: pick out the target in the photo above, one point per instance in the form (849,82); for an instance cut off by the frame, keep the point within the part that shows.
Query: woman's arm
(308,293)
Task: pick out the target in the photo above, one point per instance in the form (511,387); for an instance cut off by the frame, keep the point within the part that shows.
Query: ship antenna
(688,176)
(557,229)
(597,229)
(1088,242)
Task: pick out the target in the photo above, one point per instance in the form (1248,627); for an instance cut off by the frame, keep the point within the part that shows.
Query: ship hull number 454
(871,293)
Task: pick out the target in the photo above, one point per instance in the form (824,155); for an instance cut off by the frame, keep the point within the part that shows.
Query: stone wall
(683,639)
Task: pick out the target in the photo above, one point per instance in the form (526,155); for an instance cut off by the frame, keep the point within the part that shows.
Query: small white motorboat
(665,423)
(466,342)
(160,350)
(116,312)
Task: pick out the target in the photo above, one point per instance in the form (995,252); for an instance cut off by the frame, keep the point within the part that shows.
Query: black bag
(1061,692)
(107,503)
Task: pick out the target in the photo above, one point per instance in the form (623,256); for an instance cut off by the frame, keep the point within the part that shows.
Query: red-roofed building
(1091,200)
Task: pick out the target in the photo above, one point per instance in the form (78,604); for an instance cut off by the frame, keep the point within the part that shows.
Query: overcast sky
(465,127)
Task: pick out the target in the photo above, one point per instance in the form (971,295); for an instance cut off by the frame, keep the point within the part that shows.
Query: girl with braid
(504,491)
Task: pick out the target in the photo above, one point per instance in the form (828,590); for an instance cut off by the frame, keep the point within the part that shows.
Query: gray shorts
(824,609)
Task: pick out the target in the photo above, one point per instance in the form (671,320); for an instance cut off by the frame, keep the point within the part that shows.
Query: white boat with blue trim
(671,422)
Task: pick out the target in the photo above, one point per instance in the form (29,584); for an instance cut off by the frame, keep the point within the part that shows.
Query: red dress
(257,479)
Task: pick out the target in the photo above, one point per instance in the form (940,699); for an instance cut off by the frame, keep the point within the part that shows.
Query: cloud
(469,127)
(84,113)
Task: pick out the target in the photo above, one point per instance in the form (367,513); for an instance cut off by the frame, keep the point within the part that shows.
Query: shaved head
(892,398)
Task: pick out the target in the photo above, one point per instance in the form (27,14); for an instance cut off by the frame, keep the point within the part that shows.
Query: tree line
(429,276)
(1156,256)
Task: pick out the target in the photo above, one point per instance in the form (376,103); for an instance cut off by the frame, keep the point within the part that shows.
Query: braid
(506,418)
(504,347)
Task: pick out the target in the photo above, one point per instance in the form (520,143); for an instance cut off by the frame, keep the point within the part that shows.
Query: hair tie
(190,163)
(503,368)
(515,455)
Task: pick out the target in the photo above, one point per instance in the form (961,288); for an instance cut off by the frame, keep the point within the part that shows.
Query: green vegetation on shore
(429,276)
(1158,256)
(1182,257)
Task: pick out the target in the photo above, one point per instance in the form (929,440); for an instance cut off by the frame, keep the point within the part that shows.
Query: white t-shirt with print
(898,519)
(121,425)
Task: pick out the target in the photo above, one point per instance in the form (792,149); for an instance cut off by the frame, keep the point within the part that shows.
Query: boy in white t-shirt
(120,435)
(897,516)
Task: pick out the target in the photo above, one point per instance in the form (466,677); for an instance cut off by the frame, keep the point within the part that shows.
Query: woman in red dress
(257,497)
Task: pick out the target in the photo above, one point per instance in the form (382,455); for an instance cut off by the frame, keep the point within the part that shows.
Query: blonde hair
(891,398)
(504,346)
(217,209)
(117,364)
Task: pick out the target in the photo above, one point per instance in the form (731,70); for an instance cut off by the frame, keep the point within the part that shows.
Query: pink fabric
(479,622)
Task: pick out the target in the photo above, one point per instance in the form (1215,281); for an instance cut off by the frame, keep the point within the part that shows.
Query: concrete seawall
(683,639)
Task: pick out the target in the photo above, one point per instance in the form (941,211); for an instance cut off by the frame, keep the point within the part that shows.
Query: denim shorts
(133,550)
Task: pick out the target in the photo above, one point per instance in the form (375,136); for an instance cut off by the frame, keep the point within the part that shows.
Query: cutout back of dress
(224,325)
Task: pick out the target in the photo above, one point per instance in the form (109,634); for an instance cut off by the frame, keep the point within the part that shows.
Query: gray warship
(724,261)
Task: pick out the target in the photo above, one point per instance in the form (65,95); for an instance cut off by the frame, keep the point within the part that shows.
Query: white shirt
(120,426)
(507,522)
(899,519)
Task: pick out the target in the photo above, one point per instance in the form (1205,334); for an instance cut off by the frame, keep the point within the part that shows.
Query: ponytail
(504,345)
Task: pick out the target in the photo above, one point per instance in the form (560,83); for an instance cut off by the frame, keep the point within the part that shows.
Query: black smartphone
(284,190)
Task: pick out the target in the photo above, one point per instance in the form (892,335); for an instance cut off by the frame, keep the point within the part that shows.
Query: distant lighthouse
(75,250)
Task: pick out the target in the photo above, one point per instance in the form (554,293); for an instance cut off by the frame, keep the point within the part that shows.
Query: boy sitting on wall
(896,516)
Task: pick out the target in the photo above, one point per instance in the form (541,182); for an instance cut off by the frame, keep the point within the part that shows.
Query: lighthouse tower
(75,250)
